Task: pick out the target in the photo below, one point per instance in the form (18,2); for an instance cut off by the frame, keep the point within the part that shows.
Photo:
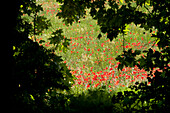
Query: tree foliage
(114,19)
(35,70)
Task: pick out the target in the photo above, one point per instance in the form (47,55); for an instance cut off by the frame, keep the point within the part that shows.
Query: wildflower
(88,49)
(126,46)
(102,44)
(86,79)
(79,82)
(111,68)
(46,45)
(149,83)
(116,66)
(96,85)
(116,77)
(134,72)
(72,52)
(79,76)
(95,77)
(127,76)
(117,82)
(142,78)
(84,48)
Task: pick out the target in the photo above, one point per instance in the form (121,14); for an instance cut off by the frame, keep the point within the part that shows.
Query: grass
(91,60)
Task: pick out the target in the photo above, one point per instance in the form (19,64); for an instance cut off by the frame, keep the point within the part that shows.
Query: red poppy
(96,85)
(79,76)
(84,48)
(142,78)
(102,44)
(94,77)
(79,82)
(86,79)
(81,72)
(117,82)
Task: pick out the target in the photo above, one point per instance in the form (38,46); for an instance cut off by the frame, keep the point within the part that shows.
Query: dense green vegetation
(90,56)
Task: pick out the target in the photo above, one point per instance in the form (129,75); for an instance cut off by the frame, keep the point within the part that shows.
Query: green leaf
(126,29)
(21,6)
(121,1)
(31,96)
(13,47)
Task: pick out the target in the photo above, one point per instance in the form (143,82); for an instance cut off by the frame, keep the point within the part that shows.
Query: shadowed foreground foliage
(34,69)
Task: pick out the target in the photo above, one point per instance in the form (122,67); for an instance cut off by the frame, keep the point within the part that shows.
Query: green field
(91,59)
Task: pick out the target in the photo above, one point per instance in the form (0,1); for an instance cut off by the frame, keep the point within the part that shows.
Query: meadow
(90,58)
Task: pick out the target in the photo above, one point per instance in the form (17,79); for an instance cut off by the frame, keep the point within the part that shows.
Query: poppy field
(91,59)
